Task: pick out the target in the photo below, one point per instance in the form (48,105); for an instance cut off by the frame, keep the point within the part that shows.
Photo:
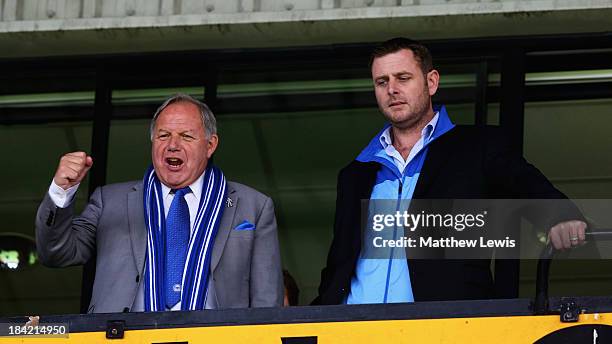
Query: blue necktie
(177,244)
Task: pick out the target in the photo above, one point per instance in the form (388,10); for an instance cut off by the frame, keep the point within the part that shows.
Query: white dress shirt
(387,144)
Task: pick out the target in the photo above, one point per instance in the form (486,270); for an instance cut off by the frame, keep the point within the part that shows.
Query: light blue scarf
(197,265)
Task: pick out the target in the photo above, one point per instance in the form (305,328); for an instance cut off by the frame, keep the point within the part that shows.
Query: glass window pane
(30,172)
(569,141)
(129,150)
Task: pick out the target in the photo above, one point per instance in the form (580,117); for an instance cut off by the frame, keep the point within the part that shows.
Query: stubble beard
(413,116)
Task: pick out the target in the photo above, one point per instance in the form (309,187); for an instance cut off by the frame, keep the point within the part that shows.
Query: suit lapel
(225,227)
(138,233)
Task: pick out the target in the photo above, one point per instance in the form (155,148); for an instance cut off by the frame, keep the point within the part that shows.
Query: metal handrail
(541,302)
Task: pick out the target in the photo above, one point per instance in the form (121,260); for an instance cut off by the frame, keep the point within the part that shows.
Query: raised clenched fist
(73,167)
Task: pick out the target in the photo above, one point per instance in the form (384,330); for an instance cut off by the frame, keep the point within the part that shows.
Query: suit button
(50,218)
(137,278)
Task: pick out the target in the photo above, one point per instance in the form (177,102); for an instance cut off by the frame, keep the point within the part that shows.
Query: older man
(421,154)
(180,239)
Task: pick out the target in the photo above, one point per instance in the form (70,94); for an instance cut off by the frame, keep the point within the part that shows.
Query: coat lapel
(138,233)
(225,227)
(437,155)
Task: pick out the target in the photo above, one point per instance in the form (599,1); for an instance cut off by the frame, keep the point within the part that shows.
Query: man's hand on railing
(567,234)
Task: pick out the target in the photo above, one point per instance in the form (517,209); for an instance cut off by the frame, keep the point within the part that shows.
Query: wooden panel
(70,9)
(221,6)
(52,9)
(353,3)
(327,4)
(56,9)
(439,2)
(143,7)
(167,7)
(131,6)
(42,10)
(89,8)
(385,3)
(31,9)
(113,8)
(247,6)
(10,10)
(288,5)
(192,6)
(368,3)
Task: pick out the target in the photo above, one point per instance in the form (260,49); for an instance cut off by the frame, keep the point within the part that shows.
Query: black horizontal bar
(300,102)
(562,92)
(23,75)
(570,61)
(47,114)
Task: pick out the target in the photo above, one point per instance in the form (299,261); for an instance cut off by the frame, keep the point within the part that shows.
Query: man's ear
(433,80)
(213,142)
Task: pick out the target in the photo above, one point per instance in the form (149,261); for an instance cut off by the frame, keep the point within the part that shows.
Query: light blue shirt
(379,280)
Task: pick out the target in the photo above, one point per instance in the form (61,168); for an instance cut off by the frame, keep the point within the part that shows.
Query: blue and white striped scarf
(197,265)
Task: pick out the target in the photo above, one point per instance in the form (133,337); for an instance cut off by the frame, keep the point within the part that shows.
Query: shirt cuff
(62,198)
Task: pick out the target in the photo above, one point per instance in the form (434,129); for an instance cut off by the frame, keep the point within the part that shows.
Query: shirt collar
(426,132)
(196,188)
(443,125)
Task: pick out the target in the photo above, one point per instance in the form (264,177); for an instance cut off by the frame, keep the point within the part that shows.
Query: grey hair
(208,118)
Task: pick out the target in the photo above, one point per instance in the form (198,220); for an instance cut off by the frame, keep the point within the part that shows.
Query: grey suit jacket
(245,265)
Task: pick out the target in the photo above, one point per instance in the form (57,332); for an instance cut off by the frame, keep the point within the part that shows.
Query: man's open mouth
(174,162)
